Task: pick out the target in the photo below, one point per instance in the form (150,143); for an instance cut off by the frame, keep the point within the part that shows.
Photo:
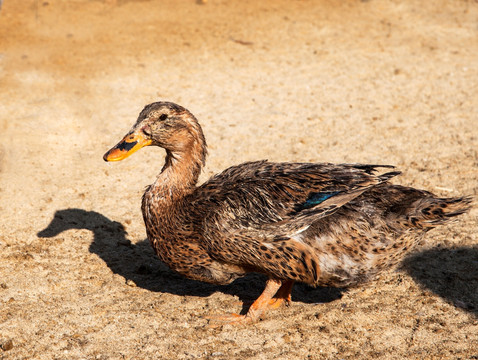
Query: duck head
(163,124)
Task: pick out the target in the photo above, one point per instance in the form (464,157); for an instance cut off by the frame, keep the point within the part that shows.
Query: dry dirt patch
(342,81)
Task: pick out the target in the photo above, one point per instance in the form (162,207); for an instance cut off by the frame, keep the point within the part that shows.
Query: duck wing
(253,213)
(273,197)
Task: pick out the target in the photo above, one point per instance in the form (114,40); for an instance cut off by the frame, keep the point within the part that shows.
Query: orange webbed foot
(275,294)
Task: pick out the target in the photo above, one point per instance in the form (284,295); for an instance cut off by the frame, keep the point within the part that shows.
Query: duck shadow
(451,273)
(137,262)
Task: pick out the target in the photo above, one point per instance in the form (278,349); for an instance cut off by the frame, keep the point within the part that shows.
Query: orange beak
(130,144)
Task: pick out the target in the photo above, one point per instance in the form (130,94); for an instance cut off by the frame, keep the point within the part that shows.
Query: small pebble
(130,283)
(7,345)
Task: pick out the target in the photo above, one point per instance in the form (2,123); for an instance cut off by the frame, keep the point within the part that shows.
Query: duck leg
(275,294)
(283,295)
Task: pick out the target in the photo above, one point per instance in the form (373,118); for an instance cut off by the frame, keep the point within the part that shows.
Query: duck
(323,224)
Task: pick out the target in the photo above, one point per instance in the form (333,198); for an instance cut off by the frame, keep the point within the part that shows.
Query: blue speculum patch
(316,198)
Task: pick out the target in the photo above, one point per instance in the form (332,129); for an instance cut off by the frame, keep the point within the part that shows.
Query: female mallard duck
(322,224)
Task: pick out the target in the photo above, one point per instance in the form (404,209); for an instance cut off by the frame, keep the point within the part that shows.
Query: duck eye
(163,117)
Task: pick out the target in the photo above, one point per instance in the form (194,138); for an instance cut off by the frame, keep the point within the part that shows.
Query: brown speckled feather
(322,224)
(259,206)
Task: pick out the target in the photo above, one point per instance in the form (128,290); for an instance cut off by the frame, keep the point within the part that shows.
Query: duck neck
(180,172)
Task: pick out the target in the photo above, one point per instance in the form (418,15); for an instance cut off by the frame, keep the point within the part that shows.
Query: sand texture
(387,82)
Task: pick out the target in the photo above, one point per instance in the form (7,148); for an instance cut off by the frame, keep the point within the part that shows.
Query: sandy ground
(389,81)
